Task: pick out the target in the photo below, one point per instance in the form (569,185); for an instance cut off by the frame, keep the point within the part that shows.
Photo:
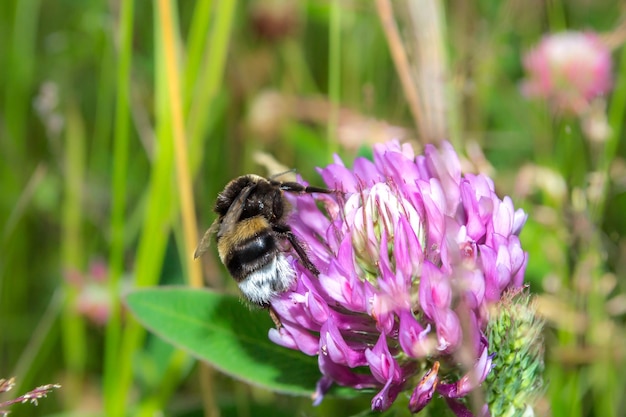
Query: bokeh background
(120,121)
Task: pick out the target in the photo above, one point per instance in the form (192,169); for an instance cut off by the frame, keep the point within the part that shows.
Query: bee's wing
(205,242)
(224,224)
(231,218)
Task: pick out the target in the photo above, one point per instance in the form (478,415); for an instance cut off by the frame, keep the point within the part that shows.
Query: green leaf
(222,331)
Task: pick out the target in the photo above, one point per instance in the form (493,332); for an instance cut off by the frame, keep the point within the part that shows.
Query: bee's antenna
(280,174)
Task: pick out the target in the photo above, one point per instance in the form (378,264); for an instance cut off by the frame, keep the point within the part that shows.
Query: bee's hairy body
(250,229)
(252,257)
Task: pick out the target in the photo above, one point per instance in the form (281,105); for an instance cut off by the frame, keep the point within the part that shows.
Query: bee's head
(233,191)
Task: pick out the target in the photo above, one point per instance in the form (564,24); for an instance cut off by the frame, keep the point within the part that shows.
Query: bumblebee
(251,231)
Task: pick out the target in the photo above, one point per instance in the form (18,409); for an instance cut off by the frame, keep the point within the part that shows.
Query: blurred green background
(120,121)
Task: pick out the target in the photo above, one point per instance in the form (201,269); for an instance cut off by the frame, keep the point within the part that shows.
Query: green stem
(114,405)
(209,83)
(104,108)
(556,15)
(334,76)
(19,76)
(72,325)
(605,385)
(616,113)
(155,229)
(196,44)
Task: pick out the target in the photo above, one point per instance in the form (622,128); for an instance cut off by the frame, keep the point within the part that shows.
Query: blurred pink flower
(93,300)
(568,69)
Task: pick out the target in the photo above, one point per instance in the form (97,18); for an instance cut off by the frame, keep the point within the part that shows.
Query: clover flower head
(410,254)
(569,69)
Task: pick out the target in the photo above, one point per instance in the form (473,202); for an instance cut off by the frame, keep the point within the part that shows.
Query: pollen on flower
(410,254)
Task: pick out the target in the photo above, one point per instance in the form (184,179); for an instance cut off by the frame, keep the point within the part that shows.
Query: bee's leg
(275,318)
(285,231)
